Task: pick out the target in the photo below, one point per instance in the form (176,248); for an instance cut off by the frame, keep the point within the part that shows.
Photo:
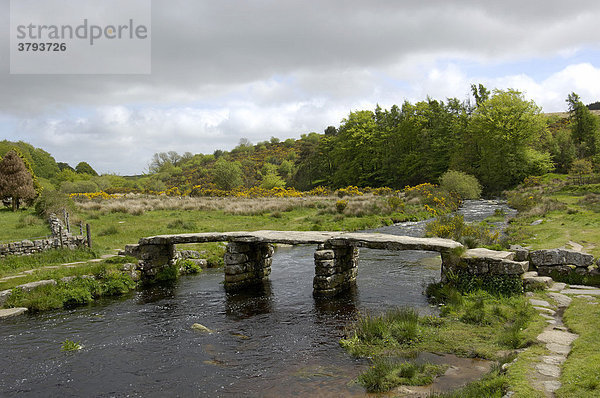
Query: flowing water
(276,342)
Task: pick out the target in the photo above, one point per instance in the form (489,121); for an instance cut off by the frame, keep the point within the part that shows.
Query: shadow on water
(271,342)
(249,303)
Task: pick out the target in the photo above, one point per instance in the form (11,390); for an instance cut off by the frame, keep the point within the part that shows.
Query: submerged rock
(201,328)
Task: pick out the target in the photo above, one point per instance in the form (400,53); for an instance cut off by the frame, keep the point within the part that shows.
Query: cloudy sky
(227,69)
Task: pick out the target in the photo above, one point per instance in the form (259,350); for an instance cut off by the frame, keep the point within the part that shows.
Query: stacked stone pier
(249,255)
(247,264)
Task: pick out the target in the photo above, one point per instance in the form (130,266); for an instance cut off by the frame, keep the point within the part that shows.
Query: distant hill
(566,114)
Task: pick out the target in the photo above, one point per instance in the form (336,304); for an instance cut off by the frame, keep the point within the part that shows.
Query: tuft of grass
(69,345)
(182,224)
(111,230)
(188,267)
(387,373)
(492,385)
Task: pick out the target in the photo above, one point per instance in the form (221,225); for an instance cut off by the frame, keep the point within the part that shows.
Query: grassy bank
(581,371)
(553,213)
(87,282)
(477,325)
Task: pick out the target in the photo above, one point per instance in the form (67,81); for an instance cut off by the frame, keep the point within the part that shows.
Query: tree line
(498,136)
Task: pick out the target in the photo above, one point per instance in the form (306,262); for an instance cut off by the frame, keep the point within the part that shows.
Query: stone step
(532,278)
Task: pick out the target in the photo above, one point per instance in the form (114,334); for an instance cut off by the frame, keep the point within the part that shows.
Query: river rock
(201,328)
(189,254)
(8,312)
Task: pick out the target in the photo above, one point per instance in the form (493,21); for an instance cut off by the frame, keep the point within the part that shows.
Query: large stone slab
(495,255)
(371,240)
(560,257)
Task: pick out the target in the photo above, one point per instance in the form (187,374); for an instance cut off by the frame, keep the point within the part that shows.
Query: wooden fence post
(60,235)
(88,233)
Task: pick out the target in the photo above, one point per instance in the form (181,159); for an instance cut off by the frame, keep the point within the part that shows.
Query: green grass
(20,225)
(575,223)
(472,325)
(581,371)
(387,373)
(109,282)
(14,264)
(93,268)
(479,325)
(492,385)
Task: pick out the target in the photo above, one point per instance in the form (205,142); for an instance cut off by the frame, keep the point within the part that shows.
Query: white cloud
(256,69)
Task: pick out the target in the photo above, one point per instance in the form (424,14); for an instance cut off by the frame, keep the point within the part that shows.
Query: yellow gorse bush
(93,195)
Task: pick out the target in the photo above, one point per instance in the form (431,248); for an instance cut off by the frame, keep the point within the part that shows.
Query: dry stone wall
(59,238)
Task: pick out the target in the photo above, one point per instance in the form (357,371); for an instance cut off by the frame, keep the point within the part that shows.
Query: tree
(580,169)
(227,175)
(16,182)
(62,166)
(480,93)
(503,129)
(584,127)
(85,168)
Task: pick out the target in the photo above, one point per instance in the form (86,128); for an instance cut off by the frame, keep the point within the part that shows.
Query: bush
(188,266)
(50,202)
(464,185)
(341,205)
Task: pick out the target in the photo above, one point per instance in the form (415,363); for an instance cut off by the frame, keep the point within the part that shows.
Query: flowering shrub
(93,195)
(348,191)
(341,205)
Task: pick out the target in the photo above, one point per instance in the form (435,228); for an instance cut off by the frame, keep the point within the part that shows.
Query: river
(276,342)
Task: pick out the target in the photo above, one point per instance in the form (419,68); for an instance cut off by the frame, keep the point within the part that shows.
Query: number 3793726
(42,46)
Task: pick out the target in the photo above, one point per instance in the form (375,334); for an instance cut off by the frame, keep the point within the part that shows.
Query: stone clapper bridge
(249,255)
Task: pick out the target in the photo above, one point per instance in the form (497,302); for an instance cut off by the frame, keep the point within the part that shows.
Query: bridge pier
(247,264)
(153,258)
(336,268)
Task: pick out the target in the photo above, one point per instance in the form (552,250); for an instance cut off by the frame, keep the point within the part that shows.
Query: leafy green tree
(463,184)
(562,150)
(227,175)
(585,127)
(16,181)
(85,168)
(580,169)
(503,129)
(62,166)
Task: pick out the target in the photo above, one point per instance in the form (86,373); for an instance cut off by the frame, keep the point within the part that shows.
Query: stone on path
(548,370)
(554,359)
(547,310)
(557,286)
(539,303)
(557,337)
(8,312)
(551,385)
(561,299)
(559,348)
(592,292)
